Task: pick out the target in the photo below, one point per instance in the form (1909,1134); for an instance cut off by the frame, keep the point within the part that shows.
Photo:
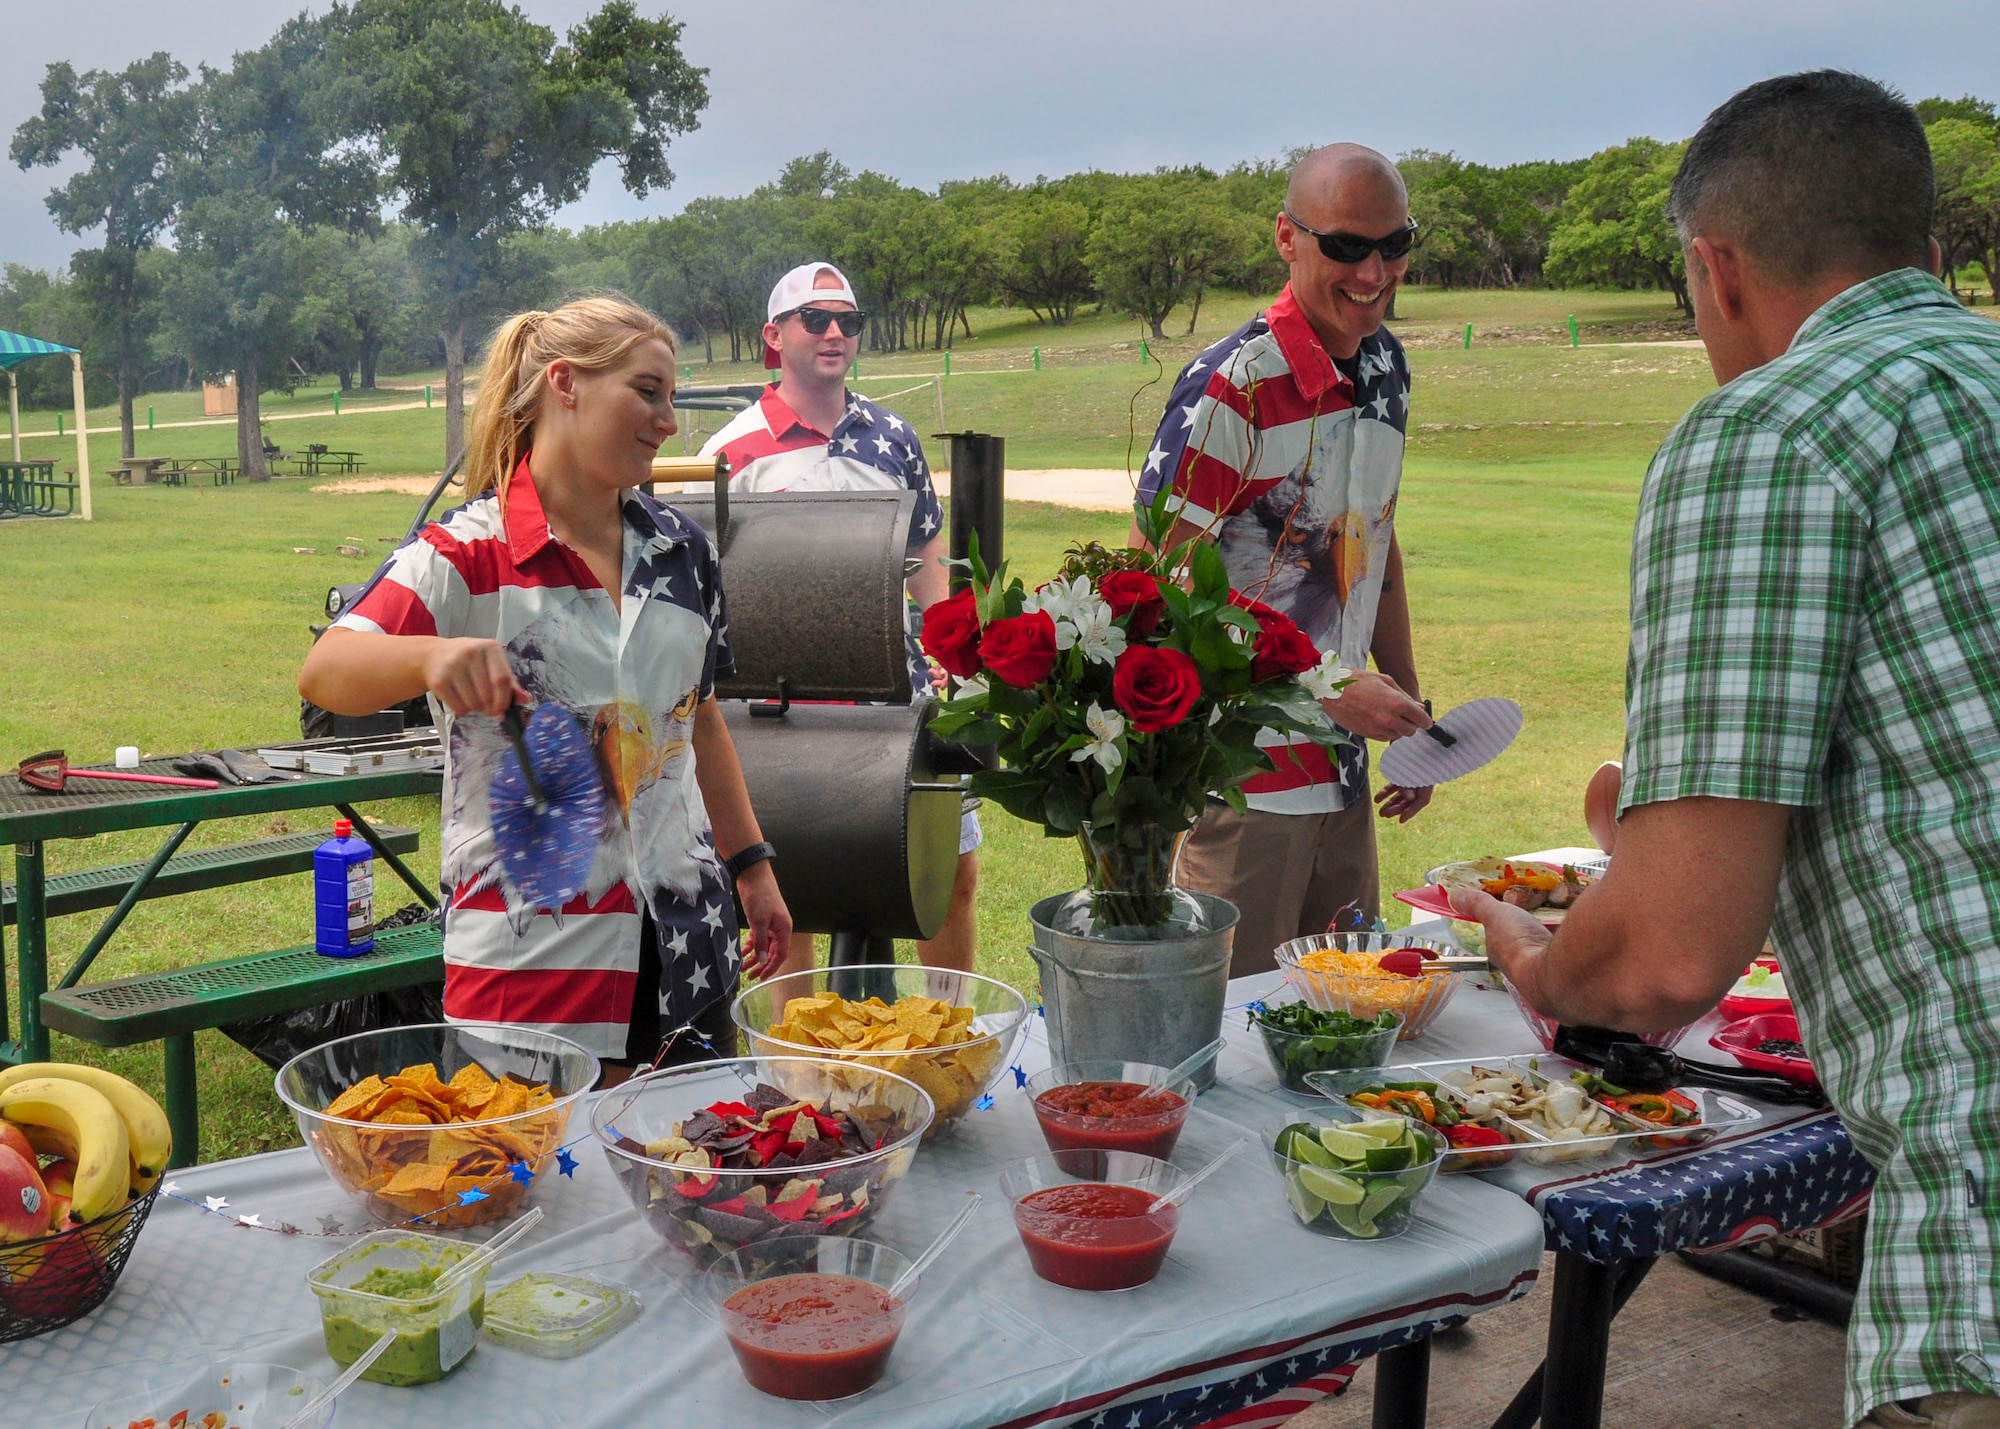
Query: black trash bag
(277,1039)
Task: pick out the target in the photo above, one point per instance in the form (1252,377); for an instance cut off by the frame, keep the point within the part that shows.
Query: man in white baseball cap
(809,433)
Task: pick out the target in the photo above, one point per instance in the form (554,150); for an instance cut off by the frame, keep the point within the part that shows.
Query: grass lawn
(178,618)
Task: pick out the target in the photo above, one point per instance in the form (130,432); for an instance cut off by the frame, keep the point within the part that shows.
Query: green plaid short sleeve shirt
(1816,622)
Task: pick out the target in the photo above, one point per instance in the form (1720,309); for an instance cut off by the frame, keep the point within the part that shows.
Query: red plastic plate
(1434,898)
(1740,1038)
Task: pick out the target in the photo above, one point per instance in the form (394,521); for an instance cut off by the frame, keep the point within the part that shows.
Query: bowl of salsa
(1092,1220)
(1111,1106)
(809,1317)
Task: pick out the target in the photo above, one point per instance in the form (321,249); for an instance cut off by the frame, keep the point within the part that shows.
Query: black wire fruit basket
(47,1283)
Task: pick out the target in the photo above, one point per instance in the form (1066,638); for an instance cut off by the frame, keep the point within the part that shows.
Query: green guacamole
(417,1357)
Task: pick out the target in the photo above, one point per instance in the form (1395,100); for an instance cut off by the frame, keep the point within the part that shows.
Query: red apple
(24,1201)
(59,1180)
(10,1136)
(66,1273)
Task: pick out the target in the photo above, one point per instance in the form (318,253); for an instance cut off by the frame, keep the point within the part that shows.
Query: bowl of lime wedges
(1355,1175)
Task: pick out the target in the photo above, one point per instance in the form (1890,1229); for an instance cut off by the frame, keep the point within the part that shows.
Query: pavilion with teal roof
(17,348)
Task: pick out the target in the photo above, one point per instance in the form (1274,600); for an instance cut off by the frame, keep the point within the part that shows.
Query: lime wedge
(1308,1150)
(1380,1197)
(1282,1142)
(1305,1205)
(1345,1144)
(1387,1133)
(1330,1186)
(1391,1158)
(1348,1218)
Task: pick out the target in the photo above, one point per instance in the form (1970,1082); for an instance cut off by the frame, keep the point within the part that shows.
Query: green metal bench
(191,872)
(173,1005)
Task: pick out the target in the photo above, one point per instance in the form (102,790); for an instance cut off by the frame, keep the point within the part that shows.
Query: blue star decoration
(985,1103)
(566,1163)
(466,1198)
(1020,1077)
(520,1171)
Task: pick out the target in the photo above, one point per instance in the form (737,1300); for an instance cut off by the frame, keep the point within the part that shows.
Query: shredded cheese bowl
(1341,972)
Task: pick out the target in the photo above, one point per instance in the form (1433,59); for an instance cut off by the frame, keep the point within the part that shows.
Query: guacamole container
(435,1328)
(557,1316)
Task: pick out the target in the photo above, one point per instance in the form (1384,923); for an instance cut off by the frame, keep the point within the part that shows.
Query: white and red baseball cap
(801,286)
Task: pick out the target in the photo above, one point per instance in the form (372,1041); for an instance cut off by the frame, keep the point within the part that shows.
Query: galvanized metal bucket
(1147,1000)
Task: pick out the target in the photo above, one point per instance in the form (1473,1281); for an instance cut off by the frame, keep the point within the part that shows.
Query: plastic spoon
(1186,1188)
(1188,1063)
(488,1253)
(936,1248)
(333,1391)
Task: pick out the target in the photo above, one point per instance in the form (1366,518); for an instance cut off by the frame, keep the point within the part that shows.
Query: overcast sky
(927,90)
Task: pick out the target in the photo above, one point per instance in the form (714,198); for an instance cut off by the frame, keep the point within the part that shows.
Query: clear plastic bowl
(1397,1192)
(1090,1252)
(1296,1055)
(816,1361)
(434,1331)
(362,1157)
(688,1207)
(956,1076)
(250,1396)
(1146,1135)
(1544,1028)
(1418,1000)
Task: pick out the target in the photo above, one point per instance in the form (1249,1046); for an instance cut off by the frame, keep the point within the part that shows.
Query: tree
(1973,111)
(357,283)
(484,126)
(1966,158)
(259,171)
(1613,229)
(1045,259)
(1159,242)
(130,127)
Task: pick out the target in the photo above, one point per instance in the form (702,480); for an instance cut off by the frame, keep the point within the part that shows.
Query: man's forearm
(930,582)
(1392,646)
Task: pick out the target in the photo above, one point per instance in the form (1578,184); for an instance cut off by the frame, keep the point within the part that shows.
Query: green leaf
(1063,806)
(1211,576)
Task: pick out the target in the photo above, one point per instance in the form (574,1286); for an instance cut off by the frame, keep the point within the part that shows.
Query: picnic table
(1250,1308)
(30,488)
(171,1006)
(319,461)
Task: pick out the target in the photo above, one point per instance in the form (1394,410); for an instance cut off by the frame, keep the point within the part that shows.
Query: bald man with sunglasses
(1283,444)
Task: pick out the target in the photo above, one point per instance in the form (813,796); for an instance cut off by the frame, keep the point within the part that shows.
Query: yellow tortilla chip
(357,1100)
(418,1177)
(510,1100)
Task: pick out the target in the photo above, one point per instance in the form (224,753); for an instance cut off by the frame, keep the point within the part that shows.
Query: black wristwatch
(747,858)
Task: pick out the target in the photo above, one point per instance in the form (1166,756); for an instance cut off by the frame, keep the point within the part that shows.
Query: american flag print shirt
(1294,468)
(633,674)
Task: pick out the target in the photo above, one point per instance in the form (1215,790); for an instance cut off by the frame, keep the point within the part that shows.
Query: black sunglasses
(1354,248)
(818,320)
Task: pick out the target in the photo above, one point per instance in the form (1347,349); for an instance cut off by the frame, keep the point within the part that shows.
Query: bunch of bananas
(112,1136)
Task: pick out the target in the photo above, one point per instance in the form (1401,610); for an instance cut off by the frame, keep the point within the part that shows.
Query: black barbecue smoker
(861,801)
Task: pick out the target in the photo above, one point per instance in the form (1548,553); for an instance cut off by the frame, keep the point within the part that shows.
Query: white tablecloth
(1244,1290)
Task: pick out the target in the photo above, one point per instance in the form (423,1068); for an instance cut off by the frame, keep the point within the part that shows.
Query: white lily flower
(1059,600)
(1105,728)
(1093,628)
(1215,717)
(1324,680)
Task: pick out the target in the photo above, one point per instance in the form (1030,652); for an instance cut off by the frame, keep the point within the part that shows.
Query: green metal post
(1572,330)
(31,920)
(183,1101)
(947,362)
(687,373)
(427,394)
(1038,359)
(336,404)
(1468,337)
(771,373)
(149,419)
(1145,354)
(59,420)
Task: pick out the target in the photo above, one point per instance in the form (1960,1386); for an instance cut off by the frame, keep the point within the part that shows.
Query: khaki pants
(1287,874)
(1940,1411)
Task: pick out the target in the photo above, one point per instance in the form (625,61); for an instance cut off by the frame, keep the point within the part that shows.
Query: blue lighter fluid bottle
(344,893)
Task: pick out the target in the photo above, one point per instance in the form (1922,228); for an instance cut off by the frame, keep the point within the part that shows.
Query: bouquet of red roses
(1119,697)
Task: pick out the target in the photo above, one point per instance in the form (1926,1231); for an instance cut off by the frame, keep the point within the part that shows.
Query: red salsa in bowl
(1093,1220)
(1111,1106)
(809,1317)
(812,1336)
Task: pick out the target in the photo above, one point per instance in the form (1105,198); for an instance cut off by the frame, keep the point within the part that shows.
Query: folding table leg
(1580,1312)
(1402,1386)
(183,1099)
(31,940)
(1524,1411)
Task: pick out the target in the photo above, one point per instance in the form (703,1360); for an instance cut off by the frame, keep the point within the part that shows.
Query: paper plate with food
(1548,890)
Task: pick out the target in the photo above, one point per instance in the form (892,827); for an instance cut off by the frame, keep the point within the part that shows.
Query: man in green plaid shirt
(1813,703)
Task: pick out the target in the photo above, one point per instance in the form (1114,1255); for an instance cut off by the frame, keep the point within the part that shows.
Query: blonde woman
(559,581)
